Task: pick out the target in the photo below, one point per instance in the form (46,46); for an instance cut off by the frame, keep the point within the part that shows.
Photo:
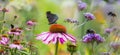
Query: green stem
(71,53)
(83,27)
(56,45)
(93,48)
(15,51)
(3,23)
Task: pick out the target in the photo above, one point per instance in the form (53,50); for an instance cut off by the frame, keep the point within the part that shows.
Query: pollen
(57,28)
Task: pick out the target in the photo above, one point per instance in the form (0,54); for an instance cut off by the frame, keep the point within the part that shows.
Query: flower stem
(2,30)
(93,48)
(71,53)
(56,45)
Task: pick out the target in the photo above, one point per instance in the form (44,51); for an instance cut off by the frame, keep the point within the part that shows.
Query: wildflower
(89,16)
(31,23)
(105,53)
(82,5)
(15,31)
(108,30)
(115,45)
(56,33)
(4,40)
(92,36)
(1,51)
(4,10)
(16,44)
(71,20)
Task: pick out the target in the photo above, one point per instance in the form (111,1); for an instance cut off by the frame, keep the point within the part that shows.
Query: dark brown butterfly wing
(52,18)
(12,26)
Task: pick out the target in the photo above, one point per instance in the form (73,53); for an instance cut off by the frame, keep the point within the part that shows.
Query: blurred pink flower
(57,32)
(31,23)
(4,40)
(16,44)
(15,31)
(4,10)
(19,47)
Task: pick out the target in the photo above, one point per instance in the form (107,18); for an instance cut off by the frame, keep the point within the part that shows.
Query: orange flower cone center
(17,42)
(57,28)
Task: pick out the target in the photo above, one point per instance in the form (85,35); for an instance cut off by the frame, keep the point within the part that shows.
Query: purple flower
(105,53)
(115,45)
(4,40)
(82,5)
(57,33)
(89,16)
(31,23)
(89,37)
(108,30)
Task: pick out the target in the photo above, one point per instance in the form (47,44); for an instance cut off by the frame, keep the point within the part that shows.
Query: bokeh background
(36,10)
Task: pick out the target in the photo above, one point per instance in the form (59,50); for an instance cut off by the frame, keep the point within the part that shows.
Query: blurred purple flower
(108,30)
(57,33)
(105,53)
(115,45)
(89,37)
(89,16)
(4,40)
(82,5)
(31,23)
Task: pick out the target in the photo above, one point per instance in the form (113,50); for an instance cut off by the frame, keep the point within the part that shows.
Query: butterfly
(52,18)
(12,26)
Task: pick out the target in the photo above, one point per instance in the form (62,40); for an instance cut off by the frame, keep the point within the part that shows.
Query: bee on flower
(92,36)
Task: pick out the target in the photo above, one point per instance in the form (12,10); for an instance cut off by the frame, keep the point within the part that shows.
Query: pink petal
(42,36)
(2,42)
(70,37)
(62,37)
(49,38)
(19,47)
(61,40)
(5,39)
(42,33)
(55,38)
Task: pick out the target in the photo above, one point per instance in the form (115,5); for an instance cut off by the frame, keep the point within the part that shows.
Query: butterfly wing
(52,18)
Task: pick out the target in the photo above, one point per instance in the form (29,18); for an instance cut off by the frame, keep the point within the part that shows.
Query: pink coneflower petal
(54,40)
(17,33)
(5,39)
(19,47)
(42,33)
(3,42)
(70,37)
(62,38)
(42,36)
(49,38)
